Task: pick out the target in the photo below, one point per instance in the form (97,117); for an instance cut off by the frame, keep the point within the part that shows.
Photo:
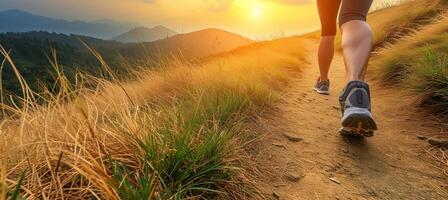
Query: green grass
(429,78)
(420,63)
(184,156)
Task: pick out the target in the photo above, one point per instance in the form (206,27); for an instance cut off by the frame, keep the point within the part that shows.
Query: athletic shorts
(349,10)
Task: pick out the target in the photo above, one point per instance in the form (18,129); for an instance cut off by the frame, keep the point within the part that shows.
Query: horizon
(255,19)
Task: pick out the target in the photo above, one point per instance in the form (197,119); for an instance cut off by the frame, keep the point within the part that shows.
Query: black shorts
(350,10)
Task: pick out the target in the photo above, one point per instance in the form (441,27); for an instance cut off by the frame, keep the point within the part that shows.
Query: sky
(258,19)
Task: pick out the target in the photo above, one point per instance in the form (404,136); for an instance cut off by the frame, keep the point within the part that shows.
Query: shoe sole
(358,122)
(350,132)
(321,92)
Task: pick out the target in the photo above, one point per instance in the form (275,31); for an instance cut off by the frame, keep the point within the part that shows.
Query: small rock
(437,141)
(293,177)
(293,137)
(421,137)
(371,192)
(278,144)
(344,150)
(334,179)
(280,185)
(276,195)
(337,107)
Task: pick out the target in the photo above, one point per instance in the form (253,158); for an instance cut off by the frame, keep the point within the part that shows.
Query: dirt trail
(391,165)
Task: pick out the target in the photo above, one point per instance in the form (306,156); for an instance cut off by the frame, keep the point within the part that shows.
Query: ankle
(354,78)
(323,78)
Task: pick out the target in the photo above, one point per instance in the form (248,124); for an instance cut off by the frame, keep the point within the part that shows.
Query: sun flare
(256,11)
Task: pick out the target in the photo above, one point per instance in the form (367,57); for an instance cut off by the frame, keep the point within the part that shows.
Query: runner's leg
(357,118)
(328,12)
(356,37)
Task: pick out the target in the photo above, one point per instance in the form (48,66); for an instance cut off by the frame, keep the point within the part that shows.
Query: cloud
(218,5)
(224,5)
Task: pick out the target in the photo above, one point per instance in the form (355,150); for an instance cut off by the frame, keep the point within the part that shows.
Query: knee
(348,17)
(356,35)
(356,30)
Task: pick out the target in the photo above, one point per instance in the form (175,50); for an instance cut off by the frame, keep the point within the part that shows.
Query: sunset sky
(258,19)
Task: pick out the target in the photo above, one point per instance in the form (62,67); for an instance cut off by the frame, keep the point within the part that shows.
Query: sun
(256,11)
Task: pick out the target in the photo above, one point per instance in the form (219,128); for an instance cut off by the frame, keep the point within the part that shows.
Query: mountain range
(21,21)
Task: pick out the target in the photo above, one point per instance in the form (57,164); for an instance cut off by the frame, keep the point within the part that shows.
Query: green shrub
(429,78)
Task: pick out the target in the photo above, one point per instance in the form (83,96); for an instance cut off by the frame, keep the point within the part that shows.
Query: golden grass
(394,22)
(108,141)
(392,63)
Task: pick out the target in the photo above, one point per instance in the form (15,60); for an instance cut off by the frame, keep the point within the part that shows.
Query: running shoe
(322,87)
(357,119)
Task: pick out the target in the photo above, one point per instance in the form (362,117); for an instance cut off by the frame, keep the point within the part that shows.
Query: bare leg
(356,46)
(325,55)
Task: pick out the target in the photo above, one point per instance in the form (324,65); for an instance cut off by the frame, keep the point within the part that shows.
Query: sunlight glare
(256,11)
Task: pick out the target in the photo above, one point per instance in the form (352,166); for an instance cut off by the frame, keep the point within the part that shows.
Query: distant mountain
(114,23)
(196,44)
(143,34)
(21,21)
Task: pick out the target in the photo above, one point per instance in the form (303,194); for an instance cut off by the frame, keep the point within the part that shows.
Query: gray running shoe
(322,87)
(357,118)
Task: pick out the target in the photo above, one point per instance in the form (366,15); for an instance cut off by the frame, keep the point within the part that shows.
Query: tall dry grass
(176,132)
(392,23)
(419,62)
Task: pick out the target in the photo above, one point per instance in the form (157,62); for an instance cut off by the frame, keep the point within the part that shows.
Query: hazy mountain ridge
(200,43)
(21,21)
(143,34)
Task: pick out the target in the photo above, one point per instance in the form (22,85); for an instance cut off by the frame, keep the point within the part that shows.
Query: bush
(429,78)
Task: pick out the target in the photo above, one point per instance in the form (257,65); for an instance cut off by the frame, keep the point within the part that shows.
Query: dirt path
(391,165)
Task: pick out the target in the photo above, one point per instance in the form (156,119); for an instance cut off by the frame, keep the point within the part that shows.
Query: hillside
(197,44)
(69,39)
(31,52)
(401,20)
(143,34)
(178,128)
(21,21)
(419,63)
